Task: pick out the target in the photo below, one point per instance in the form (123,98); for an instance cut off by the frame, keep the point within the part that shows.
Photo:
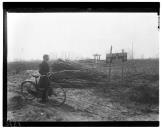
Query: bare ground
(100,102)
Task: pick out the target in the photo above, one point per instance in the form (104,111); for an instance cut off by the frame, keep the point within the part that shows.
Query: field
(90,95)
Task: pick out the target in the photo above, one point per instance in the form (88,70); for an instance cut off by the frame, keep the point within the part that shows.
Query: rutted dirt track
(95,103)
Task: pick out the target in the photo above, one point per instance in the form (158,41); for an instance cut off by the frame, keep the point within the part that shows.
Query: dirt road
(81,105)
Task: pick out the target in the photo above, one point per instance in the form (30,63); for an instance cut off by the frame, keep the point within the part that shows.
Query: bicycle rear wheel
(57,95)
(27,88)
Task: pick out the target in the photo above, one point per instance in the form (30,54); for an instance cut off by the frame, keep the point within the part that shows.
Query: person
(44,81)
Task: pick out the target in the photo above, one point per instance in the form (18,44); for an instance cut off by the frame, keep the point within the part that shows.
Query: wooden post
(110,64)
(100,68)
(122,65)
(132,50)
(96,58)
(94,61)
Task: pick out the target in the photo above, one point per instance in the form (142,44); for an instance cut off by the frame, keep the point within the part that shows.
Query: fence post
(110,64)
(122,64)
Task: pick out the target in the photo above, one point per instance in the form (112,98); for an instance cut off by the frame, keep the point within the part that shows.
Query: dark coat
(43,70)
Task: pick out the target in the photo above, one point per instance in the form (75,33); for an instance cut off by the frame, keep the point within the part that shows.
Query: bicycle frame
(56,93)
(36,83)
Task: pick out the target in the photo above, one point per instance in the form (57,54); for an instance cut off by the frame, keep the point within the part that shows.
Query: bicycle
(30,90)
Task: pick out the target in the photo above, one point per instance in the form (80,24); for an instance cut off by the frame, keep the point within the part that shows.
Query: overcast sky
(80,35)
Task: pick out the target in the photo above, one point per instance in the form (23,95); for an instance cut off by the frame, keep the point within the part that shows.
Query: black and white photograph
(82,65)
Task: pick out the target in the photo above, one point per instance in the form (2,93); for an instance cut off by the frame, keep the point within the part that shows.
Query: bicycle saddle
(36,76)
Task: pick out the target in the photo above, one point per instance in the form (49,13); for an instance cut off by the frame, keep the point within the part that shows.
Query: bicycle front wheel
(27,87)
(57,95)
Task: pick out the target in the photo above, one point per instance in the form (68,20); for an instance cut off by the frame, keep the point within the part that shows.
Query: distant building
(116,56)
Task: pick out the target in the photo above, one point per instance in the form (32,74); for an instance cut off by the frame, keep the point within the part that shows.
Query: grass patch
(144,94)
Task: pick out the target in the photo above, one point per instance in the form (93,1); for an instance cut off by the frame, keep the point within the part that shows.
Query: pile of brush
(72,71)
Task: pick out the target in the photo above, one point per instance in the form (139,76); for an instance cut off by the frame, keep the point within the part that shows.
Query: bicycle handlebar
(48,75)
